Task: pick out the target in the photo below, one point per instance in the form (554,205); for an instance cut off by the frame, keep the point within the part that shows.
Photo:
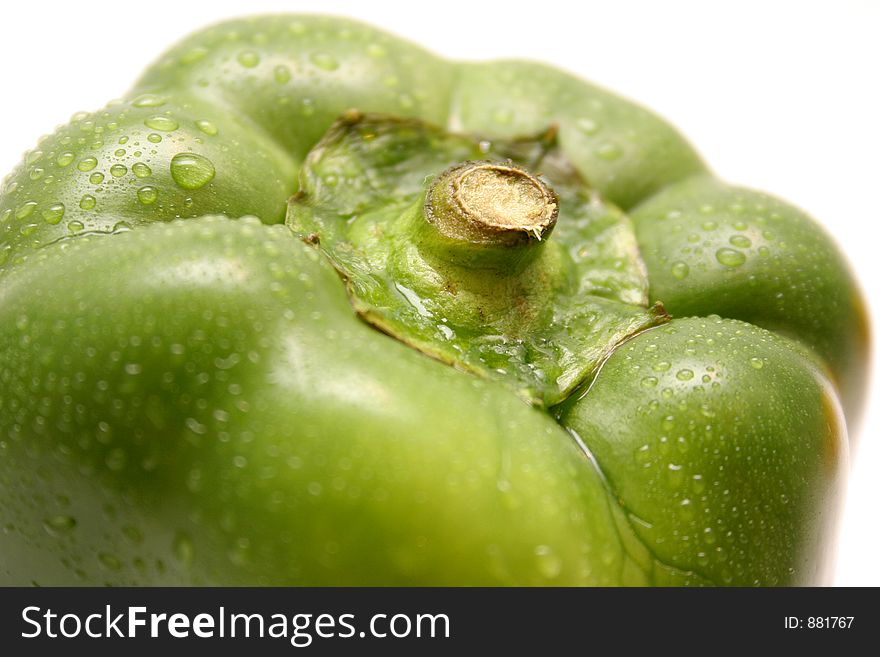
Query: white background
(782,96)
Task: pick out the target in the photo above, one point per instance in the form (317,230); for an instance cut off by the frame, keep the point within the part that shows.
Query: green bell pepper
(313,306)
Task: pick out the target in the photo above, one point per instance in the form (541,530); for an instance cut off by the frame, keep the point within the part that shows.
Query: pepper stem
(488,214)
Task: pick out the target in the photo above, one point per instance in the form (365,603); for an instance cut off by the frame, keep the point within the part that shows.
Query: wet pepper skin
(192,397)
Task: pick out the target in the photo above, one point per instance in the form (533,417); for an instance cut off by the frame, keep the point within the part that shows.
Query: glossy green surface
(718,439)
(713,248)
(227,418)
(186,398)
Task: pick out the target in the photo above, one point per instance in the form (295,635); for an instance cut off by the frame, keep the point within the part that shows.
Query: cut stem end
(490,206)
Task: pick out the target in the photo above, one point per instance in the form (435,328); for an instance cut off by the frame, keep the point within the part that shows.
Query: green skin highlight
(189,398)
